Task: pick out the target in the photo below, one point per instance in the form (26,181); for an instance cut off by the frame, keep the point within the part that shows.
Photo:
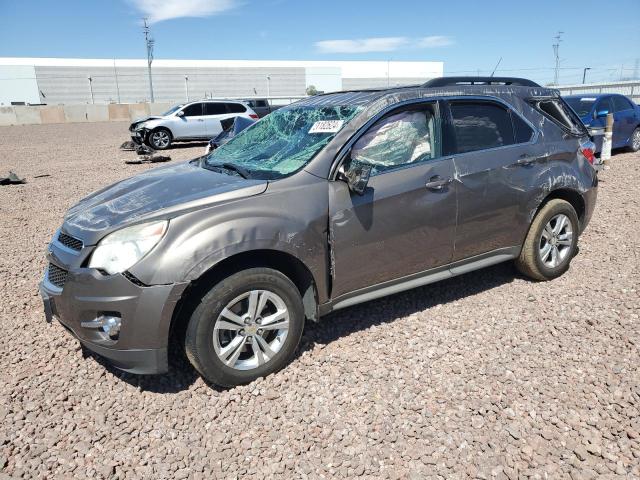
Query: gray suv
(332,201)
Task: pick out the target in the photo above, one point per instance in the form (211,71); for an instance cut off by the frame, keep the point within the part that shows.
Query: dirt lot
(487,375)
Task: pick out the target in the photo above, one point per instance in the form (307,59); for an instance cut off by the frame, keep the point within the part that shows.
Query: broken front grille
(56,275)
(70,242)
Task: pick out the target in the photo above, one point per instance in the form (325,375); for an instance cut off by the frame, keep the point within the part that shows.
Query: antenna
(495,68)
(150,42)
(556,52)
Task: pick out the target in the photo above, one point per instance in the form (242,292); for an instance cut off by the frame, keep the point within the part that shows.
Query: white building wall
(66,81)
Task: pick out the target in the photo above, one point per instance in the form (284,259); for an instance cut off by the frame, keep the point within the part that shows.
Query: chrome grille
(69,241)
(56,275)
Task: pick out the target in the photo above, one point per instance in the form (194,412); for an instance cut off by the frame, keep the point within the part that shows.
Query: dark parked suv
(332,201)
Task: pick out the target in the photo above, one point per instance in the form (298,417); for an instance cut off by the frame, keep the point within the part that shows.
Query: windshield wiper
(243,172)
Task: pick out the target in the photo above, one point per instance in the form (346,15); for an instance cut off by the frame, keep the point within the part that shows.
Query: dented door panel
(398,227)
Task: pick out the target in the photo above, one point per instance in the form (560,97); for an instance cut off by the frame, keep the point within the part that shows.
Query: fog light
(111,326)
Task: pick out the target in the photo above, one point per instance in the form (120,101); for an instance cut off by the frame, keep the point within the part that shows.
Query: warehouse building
(56,81)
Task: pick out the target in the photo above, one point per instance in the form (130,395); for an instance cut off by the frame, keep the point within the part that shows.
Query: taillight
(254,116)
(588,150)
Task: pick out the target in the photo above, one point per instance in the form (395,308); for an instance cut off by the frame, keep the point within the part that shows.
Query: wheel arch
(570,195)
(286,263)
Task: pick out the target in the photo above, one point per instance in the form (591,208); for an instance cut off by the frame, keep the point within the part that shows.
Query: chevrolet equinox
(332,201)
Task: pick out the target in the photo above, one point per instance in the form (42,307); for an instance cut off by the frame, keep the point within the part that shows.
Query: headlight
(140,126)
(122,249)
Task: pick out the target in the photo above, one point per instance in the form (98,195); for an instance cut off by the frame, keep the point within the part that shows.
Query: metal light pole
(150,43)
(91,88)
(186,87)
(115,74)
(268,85)
(556,51)
(584,74)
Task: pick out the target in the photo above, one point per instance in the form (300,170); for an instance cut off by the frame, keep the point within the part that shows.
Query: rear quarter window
(561,114)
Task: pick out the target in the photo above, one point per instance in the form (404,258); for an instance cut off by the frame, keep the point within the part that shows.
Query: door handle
(437,182)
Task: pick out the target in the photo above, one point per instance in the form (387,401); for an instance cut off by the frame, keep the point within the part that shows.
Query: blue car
(593,110)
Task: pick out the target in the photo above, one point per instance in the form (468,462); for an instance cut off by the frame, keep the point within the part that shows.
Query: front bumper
(138,136)
(145,312)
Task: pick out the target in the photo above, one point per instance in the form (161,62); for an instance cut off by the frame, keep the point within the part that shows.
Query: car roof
(364,97)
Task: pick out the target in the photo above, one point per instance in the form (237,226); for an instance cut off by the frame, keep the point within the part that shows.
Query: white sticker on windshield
(327,126)
(588,99)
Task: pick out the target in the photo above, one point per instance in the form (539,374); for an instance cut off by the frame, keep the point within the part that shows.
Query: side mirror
(602,113)
(357,176)
(180,113)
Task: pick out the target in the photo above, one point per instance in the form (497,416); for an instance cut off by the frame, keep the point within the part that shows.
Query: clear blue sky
(467,35)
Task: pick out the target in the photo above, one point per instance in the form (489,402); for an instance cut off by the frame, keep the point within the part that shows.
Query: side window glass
(481,125)
(193,110)
(400,139)
(620,104)
(214,108)
(235,108)
(523,132)
(605,105)
(262,103)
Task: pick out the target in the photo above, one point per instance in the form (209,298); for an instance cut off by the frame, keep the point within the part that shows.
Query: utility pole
(584,73)
(149,43)
(91,88)
(115,74)
(556,52)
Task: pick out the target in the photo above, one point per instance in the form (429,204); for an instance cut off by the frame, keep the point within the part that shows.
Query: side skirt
(420,279)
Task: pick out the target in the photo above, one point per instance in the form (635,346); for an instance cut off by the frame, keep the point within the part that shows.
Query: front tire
(247,326)
(160,139)
(551,243)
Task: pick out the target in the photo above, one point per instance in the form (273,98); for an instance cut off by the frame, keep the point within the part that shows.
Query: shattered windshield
(172,110)
(282,142)
(582,106)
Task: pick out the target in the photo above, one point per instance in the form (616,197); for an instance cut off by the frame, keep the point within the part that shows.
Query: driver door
(191,124)
(404,222)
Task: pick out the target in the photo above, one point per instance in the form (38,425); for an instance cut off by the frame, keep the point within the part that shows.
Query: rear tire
(634,142)
(160,139)
(551,242)
(228,344)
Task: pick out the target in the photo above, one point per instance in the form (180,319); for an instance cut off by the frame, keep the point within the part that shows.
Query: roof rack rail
(452,81)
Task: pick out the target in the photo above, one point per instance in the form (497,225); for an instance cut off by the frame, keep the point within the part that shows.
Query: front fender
(292,222)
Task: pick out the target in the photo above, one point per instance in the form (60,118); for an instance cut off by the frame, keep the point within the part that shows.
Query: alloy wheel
(635,141)
(555,241)
(251,329)
(160,139)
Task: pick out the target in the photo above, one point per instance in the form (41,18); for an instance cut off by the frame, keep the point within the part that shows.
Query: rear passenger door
(218,112)
(494,165)
(214,112)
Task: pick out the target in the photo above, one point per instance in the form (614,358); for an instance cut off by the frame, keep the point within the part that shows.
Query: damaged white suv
(201,120)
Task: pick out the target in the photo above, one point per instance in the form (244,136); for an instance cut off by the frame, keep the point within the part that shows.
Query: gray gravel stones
(487,375)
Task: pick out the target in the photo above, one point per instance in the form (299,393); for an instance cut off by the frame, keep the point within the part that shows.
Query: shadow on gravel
(344,322)
(180,377)
(387,309)
(178,146)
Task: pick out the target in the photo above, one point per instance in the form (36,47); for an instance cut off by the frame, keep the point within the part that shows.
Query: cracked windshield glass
(282,142)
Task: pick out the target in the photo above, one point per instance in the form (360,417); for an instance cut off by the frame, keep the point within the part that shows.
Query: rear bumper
(145,313)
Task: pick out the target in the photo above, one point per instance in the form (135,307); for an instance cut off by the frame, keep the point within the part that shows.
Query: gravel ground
(487,375)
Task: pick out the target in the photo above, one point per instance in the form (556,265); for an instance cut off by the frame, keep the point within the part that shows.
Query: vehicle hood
(164,192)
(138,121)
